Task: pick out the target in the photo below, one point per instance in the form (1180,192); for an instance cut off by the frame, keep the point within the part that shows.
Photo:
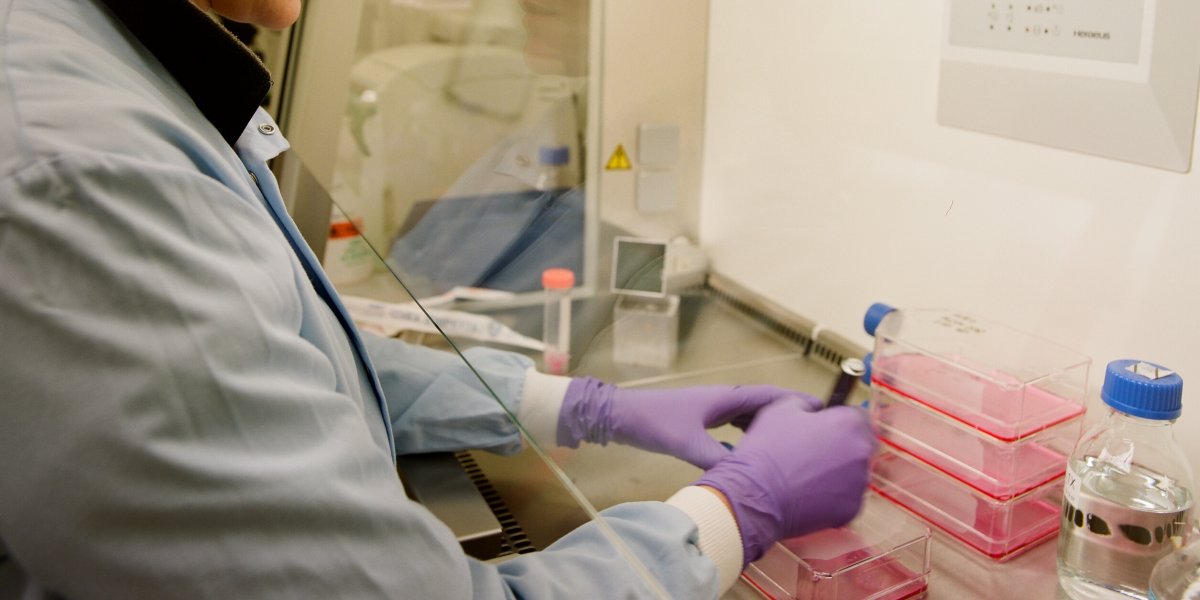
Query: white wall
(828,185)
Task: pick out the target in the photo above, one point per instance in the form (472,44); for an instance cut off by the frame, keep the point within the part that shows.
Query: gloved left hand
(671,421)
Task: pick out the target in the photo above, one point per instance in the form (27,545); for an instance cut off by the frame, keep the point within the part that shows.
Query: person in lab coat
(188,411)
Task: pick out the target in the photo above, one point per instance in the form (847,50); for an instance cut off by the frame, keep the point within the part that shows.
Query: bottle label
(965,324)
(1073,485)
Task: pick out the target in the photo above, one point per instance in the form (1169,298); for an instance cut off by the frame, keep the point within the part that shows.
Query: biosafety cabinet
(788,164)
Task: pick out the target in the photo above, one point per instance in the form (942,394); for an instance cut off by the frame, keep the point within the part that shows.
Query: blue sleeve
(585,563)
(437,402)
(170,425)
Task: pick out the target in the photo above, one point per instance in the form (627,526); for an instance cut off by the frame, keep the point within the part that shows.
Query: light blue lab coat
(185,410)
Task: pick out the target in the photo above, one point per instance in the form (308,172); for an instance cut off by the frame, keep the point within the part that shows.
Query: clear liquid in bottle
(1115,528)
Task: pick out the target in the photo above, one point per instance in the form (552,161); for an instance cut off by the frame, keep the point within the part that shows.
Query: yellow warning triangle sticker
(619,160)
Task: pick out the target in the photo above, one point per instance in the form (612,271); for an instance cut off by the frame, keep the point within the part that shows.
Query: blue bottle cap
(874,315)
(554,155)
(866,376)
(1143,390)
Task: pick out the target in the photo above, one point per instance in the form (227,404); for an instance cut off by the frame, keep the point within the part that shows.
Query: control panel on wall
(1114,78)
(1106,30)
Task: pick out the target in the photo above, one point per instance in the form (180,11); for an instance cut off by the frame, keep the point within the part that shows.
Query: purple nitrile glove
(794,472)
(670,421)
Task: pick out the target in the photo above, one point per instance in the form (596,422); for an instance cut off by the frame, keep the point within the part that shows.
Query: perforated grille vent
(514,540)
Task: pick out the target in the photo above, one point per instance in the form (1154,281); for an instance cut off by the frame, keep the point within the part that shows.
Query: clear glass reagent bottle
(1127,500)
(552,160)
(1177,576)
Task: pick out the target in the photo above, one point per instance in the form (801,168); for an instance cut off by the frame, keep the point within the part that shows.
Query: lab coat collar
(260,140)
(224,78)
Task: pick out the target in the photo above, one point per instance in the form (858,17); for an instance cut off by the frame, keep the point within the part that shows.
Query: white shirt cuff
(720,539)
(541,401)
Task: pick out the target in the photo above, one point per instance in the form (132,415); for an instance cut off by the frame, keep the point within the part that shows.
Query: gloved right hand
(794,472)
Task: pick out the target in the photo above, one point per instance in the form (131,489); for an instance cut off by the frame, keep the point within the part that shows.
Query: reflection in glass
(459,161)
(638,267)
(461,148)
(560,505)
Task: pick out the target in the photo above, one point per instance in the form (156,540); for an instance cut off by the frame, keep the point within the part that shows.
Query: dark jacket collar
(225,80)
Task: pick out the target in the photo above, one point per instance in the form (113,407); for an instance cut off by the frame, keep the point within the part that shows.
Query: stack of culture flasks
(976,421)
